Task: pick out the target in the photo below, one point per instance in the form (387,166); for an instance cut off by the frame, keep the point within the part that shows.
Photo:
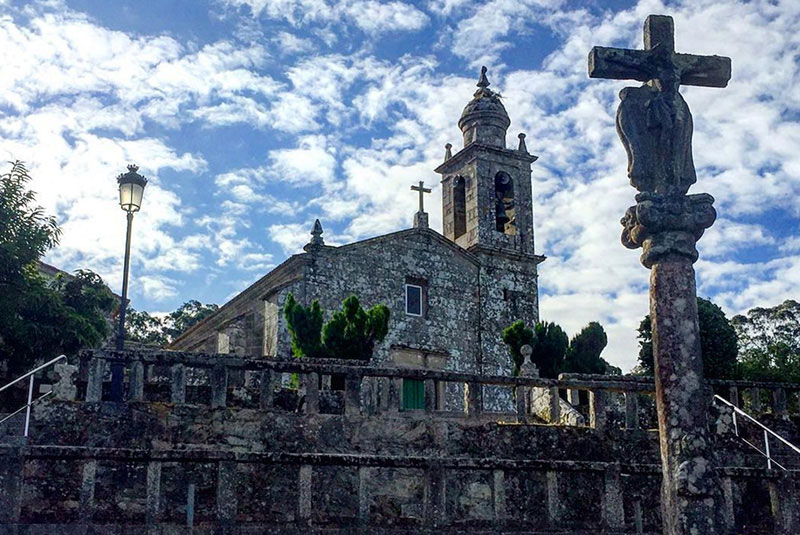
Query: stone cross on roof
(422,190)
(658,61)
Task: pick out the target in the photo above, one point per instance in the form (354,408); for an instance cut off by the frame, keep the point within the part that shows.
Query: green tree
(718,342)
(352,332)
(515,336)
(769,342)
(38,318)
(305,327)
(185,317)
(145,329)
(26,233)
(550,346)
(583,355)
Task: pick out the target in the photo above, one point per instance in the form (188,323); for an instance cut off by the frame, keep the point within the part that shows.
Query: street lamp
(131,189)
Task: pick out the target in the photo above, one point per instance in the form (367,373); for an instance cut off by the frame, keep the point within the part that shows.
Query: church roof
(430,233)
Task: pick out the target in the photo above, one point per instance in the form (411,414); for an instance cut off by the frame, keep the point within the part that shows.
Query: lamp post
(131,189)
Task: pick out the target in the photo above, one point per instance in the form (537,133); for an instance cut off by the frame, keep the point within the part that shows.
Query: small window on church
(413,300)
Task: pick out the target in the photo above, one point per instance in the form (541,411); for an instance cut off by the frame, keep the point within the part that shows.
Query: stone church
(450,295)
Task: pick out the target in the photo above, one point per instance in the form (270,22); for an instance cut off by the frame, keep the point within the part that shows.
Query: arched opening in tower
(459,207)
(505,220)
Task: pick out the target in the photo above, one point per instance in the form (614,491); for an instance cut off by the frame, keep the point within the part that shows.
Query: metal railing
(31,401)
(766,430)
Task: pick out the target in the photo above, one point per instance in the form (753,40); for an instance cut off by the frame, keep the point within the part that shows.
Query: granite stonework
(655,126)
(220,464)
(476,279)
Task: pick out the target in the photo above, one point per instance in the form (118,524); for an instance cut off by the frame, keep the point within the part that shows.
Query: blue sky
(254,117)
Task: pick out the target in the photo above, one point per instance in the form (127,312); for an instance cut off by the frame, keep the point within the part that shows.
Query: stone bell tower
(487,201)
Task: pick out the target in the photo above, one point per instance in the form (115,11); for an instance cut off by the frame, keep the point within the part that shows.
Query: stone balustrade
(373,391)
(202,487)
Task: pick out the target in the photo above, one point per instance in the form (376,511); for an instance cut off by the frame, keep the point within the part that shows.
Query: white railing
(767,433)
(31,401)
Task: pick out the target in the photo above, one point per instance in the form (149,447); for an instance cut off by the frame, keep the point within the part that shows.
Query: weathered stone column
(655,126)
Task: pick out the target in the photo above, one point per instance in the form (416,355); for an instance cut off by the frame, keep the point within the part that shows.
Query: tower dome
(484,119)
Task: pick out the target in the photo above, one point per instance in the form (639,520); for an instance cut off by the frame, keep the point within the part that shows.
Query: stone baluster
(267,389)
(177,383)
(394,386)
(613,509)
(755,400)
(555,406)
(499,497)
(523,404)
(86,496)
(779,402)
(365,475)
(574,397)
(153,495)
(631,410)
(441,395)
(136,381)
(474,399)
(733,395)
(226,492)
(94,385)
(352,395)
(553,500)
(638,517)
(728,508)
(190,504)
(304,493)
(598,417)
(311,387)
(433,503)
(219,386)
(430,395)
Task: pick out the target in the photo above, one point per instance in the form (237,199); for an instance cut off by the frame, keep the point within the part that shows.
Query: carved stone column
(655,126)
(667,229)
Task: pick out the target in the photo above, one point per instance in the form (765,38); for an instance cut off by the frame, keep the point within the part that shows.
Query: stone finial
(522,147)
(447,153)
(316,237)
(483,81)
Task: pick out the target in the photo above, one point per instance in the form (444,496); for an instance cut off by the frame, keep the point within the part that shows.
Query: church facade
(450,295)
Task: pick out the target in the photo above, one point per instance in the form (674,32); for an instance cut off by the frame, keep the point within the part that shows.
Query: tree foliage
(353,332)
(769,342)
(26,233)
(305,327)
(515,336)
(718,342)
(583,355)
(40,318)
(549,349)
(157,331)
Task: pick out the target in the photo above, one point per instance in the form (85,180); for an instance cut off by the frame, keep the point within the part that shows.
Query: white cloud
(370,16)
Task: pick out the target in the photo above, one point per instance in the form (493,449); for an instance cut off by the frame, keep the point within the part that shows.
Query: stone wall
(197,456)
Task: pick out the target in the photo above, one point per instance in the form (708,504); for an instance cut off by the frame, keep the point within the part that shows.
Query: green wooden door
(413,394)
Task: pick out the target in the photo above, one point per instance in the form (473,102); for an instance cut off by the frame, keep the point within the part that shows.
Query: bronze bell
(500,214)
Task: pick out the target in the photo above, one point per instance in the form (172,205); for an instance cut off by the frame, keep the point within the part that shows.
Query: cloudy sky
(254,117)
